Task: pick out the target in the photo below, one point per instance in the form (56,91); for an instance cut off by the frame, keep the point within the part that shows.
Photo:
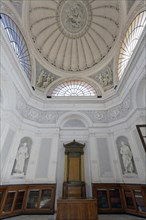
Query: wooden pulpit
(74,205)
(74,185)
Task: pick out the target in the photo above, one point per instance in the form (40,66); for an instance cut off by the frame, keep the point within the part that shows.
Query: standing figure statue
(126,157)
(21,157)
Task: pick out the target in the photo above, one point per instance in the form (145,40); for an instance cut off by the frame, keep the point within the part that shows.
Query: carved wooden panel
(74,169)
(76,209)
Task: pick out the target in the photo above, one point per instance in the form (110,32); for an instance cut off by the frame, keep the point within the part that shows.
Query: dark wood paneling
(74,169)
(23,199)
(76,209)
(74,190)
(120,198)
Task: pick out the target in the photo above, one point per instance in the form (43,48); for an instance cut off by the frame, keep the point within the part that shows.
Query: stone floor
(53,217)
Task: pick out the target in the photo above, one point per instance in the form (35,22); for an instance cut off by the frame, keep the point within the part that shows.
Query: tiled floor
(53,217)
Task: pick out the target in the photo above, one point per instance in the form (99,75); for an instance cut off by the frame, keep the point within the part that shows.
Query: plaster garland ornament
(34,114)
(47,117)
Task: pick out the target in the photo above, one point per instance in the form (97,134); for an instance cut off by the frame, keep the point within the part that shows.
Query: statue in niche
(126,153)
(22,155)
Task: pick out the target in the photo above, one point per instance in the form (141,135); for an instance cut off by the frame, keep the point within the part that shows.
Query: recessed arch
(78,116)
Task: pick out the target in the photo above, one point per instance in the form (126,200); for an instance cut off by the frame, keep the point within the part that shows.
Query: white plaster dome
(74,35)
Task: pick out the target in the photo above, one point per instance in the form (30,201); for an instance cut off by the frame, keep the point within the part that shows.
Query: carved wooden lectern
(74,185)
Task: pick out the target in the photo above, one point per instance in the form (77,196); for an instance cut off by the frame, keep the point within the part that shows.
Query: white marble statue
(127,158)
(21,157)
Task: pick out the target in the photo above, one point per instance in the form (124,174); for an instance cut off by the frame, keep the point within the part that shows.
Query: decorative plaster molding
(105,77)
(43,77)
(18,5)
(34,114)
(6,9)
(72,30)
(112,114)
(74,18)
(51,117)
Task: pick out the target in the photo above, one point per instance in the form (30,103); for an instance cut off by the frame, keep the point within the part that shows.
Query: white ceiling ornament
(105,77)
(73,35)
(43,77)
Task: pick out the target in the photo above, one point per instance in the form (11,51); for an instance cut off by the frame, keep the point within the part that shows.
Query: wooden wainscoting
(76,209)
(26,199)
(74,190)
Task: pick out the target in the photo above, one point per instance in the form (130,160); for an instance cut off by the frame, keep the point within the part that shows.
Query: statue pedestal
(18,175)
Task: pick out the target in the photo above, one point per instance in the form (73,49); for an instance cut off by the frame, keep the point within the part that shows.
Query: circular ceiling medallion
(73,35)
(74,17)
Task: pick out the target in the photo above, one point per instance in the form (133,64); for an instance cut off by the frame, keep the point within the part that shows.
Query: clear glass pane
(102,199)
(115,198)
(45,201)
(33,197)
(19,200)
(74,88)
(17,42)
(129,200)
(130,41)
(139,201)
(9,202)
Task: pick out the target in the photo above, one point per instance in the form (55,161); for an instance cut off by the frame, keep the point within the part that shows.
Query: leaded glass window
(17,42)
(130,41)
(74,88)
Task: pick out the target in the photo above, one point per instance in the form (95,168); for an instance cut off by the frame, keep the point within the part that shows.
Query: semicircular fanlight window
(130,41)
(74,88)
(17,42)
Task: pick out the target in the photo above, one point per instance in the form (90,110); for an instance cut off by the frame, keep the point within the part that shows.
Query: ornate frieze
(34,114)
(112,114)
(50,117)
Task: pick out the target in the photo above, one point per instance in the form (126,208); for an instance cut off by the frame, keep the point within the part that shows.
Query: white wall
(46,159)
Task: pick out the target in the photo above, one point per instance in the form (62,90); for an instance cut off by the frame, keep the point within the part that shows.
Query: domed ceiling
(73,35)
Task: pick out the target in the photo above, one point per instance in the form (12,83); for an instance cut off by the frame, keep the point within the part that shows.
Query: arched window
(74,88)
(17,41)
(130,41)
